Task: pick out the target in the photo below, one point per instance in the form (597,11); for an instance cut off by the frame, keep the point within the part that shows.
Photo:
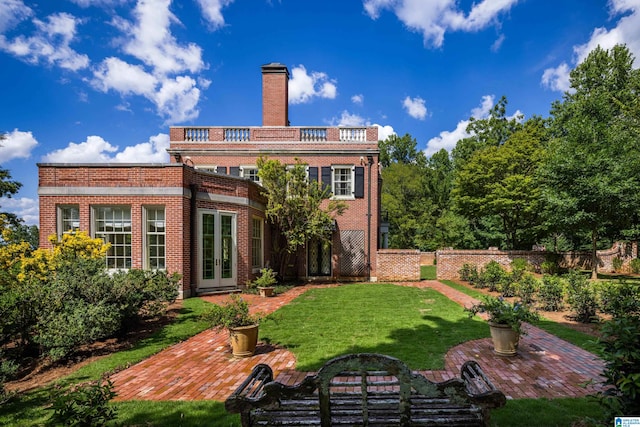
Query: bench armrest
(481,390)
(251,389)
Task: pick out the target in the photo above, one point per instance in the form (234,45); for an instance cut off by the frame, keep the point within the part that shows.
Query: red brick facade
(210,172)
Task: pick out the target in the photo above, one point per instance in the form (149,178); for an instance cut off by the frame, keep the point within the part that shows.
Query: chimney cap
(275,67)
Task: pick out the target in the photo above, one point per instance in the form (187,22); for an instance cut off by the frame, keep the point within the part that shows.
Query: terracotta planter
(505,339)
(244,340)
(266,291)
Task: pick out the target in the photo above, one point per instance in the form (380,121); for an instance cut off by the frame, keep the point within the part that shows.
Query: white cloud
(152,42)
(303,87)
(358,99)
(626,31)
(177,99)
(17,145)
(348,119)
(384,132)
(23,207)
(212,11)
(557,79)
(96,150)
(434,18)
(126,79)
(415,107)
(449,139)
(153,151)
(51,43)
(12,12)
(498,43)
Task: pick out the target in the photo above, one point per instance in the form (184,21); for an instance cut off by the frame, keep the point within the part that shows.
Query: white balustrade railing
(353,134)
(196,134)
(237,134)
(313,134)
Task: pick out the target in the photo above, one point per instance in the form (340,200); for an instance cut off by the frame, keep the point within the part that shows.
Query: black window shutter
(313,174)
(234,171)
(326,177)
(221,169)
(359,187)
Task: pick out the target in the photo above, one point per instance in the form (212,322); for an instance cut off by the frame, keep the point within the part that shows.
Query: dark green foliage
(551,293)
(617,264)
(581,297)
(621,352)
(635,265)
(527,287)
(84,405)
(619,298)
(492,275)
(469,273)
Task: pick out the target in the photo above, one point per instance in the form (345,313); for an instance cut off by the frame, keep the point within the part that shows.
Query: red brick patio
(202,367)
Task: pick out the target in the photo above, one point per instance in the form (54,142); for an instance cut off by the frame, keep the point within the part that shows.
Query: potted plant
(505,322)
(242,326)
(265,282)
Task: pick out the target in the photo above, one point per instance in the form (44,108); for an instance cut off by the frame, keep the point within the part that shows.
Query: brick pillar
(275,95)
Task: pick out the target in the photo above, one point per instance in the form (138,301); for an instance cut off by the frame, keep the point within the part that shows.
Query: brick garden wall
(451,261)
(398,265)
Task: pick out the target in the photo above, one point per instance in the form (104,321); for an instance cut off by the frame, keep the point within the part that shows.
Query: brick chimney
(275,95)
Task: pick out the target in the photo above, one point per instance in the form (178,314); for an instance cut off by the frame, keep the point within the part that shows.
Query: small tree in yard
(296,207)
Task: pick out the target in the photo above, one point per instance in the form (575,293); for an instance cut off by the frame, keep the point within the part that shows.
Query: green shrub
(492,275)
(7,369)
(84,405)
(551,293)
(527,287)
(469,273)
(634,264)
(508,285)
(266,279)
(519,266)
(549,267)
(620,340)
(617,264)
(581,296)
(619,298)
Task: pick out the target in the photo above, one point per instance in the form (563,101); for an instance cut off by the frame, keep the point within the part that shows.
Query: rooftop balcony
(274,134)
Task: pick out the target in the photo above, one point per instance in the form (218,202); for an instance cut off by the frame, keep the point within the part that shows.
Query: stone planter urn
(244,340)
(266,291)
(505,339)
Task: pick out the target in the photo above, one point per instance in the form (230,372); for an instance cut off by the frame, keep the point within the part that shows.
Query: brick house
(202,215)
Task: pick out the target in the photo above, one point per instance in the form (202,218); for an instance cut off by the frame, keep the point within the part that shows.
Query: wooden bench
(366,389)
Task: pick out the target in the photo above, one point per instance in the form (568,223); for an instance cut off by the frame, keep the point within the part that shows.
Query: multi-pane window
(251,173)
(155,238)
(113,225)
(256,244)
(342,181)
(68,219)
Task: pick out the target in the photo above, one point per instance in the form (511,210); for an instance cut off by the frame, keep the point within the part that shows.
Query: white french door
(217,249)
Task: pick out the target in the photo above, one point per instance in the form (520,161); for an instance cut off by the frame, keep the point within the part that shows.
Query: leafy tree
(490,132)
(501,181)
(593,171)
(397,149)
(296,207)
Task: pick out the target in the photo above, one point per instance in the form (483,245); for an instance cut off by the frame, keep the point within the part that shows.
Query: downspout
(370,162)
(193,240)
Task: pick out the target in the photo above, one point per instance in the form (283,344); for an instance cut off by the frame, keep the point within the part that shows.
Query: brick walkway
(202,367)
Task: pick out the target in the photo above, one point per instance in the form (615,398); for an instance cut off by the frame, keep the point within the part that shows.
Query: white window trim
(59,222)
(94,230)
(256,269)
(251,167)
(145,245)
(207,168)
(352,181)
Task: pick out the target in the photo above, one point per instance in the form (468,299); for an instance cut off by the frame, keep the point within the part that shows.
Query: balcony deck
(199,134)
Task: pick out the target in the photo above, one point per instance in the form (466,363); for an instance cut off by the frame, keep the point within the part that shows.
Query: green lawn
(417,326)
(428,272)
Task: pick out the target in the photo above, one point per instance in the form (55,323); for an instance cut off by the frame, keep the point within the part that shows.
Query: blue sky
(102,80)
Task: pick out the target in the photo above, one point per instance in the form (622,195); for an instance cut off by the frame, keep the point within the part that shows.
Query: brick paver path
(202,367)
